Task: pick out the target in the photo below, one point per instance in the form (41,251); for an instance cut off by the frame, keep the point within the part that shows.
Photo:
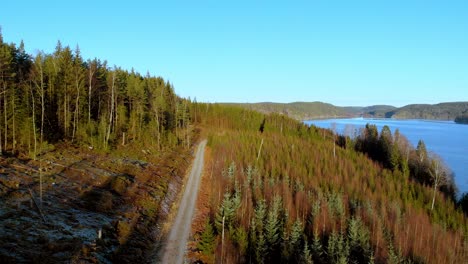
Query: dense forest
(317,110)
(282,192)
(60,96)
(442,111)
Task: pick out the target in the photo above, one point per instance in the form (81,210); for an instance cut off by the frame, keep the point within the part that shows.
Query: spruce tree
(273,225)
(332,247)
(306,255)
(260,247)
(317,249)
(225,210)
(206,244)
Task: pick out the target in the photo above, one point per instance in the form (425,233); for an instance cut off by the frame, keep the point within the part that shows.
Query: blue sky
(341,52)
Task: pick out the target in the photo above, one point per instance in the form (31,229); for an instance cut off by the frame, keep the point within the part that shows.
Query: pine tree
(306,255)
(317,249)
(342,250)
(260,247)
(421,151)
(295,239)
(6,77)
(393,256)
(332,247)
(395,155)
(260,241)
(273,225)
(231,171)
(385,146)
(225,210)
(285,246)
(206,244)
(241,237)
(353,232)
(260,213)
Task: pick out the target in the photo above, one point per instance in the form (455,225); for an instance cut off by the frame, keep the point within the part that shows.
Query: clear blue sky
(341,52)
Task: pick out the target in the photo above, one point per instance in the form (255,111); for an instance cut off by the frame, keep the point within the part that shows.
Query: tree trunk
(6,118)
(34,123)
(13,120)
(4,88)
(259,151)
(158,129)
(42,110)
(433,196)
(177,121)
(91,73)
(77,101)
(111,113)
(65,114)
(436,175)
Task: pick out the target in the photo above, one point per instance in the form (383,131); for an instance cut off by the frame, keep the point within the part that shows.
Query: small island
(462,119)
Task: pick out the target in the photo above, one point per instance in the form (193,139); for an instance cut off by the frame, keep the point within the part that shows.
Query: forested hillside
(377,111)
(319,110)
(299,110)
(278,191)
(442,111)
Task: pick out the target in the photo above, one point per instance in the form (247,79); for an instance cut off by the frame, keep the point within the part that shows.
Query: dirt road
(174,252)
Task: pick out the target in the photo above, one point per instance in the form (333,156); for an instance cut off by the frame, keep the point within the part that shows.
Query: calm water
(446,138)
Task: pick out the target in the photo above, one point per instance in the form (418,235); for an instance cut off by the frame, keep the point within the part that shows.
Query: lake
(446,138)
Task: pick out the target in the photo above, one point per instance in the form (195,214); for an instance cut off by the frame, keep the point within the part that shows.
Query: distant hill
(378,111)
(442,111)
(319,110)
(298,110)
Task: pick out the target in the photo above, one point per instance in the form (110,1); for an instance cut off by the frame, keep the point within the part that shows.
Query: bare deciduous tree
(440,175)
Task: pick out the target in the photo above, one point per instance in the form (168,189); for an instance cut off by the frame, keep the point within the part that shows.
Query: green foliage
(335,205)
(295,239)
(227,211)
(386,147)
(394,257)
(297,110)
(358,240)
(462,119)
(315,110)
(65,98)
(273,226)
(442,111)
(241,238)
(206,244)
(463,203)
(306,255)
(421,151)
(317,248)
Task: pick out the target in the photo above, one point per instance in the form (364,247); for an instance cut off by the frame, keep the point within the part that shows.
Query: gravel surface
(176,245)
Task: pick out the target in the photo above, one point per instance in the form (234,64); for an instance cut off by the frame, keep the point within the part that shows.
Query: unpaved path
(174,251)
